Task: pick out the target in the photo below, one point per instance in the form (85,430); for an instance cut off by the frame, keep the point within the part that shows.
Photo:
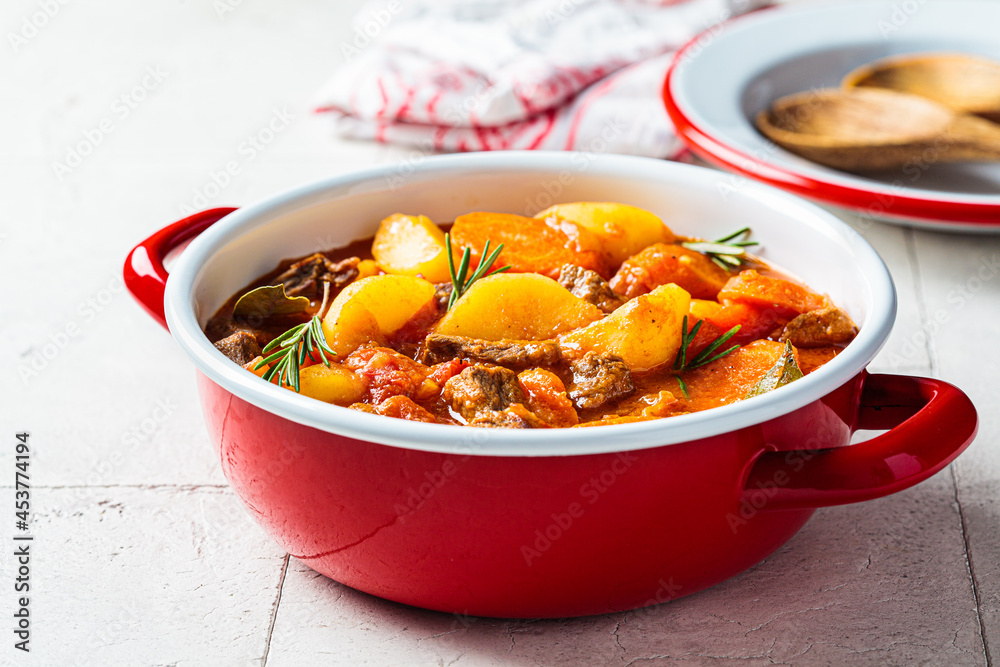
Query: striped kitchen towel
(471,75)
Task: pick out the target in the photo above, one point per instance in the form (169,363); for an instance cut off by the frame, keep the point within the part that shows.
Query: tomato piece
(388,372)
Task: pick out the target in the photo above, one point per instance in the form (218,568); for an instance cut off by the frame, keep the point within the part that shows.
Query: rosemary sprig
(289,350)
(706,356)
(725,251)
(459,282)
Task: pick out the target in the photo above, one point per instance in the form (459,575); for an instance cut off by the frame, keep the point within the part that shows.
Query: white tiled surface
(142,554)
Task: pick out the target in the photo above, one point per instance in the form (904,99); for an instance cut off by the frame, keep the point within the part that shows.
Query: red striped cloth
(471,75)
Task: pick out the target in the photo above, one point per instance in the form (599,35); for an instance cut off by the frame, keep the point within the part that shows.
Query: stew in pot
(584,315)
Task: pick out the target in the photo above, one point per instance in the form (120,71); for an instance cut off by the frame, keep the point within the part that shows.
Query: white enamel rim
(781,34)
(183,323)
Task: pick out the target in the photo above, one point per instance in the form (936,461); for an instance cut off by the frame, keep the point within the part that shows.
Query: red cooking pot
(559,522)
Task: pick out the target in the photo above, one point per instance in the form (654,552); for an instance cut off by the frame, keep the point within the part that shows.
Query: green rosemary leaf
(681,362)
(703,356)
(725,252)
(461,281)
(738,232)
(280,339)
(683,386)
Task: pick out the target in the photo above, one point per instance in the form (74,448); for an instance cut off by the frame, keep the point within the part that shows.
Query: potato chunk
(530,245)
(623,230)
(645,332)
(411,245)
(333,384)
(518,306)
(370,309)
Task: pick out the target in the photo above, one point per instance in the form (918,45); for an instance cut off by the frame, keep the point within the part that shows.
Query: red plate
(721,79)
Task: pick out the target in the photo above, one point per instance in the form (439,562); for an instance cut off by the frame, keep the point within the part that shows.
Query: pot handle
(929,423)
(144,273)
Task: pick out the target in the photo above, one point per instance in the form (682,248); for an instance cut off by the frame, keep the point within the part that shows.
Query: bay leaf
(785,371)
(268,300)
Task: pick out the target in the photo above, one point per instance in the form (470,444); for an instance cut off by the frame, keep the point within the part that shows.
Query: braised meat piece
(520,353)
(305,277)
(513,416)
(241,347)
(598,379)
(589,286)
(489,396)
(821,327)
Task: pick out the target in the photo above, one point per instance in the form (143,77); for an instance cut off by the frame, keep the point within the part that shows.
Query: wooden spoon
(962,83)
(865,129)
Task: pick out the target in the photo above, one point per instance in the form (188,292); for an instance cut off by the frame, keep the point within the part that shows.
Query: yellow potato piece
(645,332)
(372,308)
(351,327)
(411,245)
(335,384)
(623,229)
(521,306)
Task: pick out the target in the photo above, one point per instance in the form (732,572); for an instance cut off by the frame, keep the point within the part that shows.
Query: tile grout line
(970,568)
(918,286)
(274,612)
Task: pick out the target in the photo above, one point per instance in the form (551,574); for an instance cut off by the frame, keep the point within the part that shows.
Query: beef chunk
(305,277)
(817,328)
(489,396)
(521,353)
(589,286)
(241,347)
(598,379)
(513,416)
(442,292)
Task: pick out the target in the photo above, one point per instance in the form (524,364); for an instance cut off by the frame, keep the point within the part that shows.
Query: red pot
(563,522)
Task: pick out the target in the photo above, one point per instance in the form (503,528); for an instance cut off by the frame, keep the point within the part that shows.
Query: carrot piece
(547,397)
(530,245)
(754,322)
(660,264)
(788,299)
(730,378)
